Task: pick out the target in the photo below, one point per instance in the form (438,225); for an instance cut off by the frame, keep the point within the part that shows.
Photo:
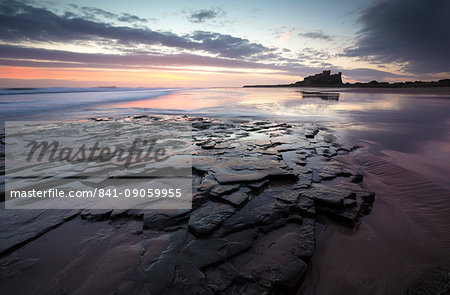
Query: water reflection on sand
(400,124)
(412,122)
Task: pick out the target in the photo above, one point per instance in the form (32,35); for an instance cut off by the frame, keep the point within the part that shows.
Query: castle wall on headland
(323,78)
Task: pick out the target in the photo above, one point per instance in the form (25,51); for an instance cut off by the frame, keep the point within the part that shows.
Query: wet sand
(406,233)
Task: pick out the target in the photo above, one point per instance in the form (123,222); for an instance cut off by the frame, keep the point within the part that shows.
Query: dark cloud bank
(316,35)
(412,31)
(204,15)
(20,22)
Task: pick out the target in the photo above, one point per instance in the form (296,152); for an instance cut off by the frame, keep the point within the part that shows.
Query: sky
(135,43)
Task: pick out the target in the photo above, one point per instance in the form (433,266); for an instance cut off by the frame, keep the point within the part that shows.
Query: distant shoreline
(373,84)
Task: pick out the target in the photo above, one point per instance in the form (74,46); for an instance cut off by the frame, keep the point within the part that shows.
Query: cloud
(312,54)
(93,13)
(366,75)
(44,58)
(11,55)
(36,24)
(130,18)
(139,48)
(20,22)
(316,35)
(413,32)
(227,45)
(204,15)
(97,13)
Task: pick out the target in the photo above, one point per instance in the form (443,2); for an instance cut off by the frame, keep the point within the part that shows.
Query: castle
(324,78)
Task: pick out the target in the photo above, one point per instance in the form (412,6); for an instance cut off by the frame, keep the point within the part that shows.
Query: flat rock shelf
(258,187)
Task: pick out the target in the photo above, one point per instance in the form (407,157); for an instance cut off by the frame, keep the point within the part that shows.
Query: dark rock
(199,199)
(311,133)
(326,151)
(223,276)
(135,226)
(274,260)
(220,190)
(207,145)
(306,206)
(339,203)
(161,273)
(201,125)
(288,196)
(250,169)
(207,184)
(16,266)
(300,162)
(251,227)
(117,213)
(18,227)
(163,219)
(95,214)
(154,248)
(208,217)
(326,195)
(258,186)
(261,210)
(358,178)
(197,255)
(236,199)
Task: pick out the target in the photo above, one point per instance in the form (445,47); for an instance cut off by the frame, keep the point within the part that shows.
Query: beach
(295,191)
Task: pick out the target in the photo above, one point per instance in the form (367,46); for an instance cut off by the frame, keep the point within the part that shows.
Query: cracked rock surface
(258,187)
